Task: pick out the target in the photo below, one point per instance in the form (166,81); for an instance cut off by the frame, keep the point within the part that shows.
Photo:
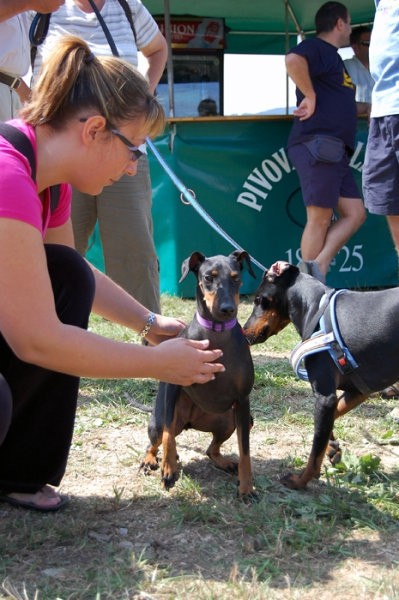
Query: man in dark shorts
(322,140)
(381,163)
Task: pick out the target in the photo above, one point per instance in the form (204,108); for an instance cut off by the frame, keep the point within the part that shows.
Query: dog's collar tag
(216,326)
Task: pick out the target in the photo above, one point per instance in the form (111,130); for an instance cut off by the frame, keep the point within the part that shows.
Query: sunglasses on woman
(136,153)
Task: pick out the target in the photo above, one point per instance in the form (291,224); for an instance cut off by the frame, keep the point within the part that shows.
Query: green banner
(241,175)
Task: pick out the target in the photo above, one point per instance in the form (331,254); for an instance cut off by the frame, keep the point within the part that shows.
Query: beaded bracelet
(150,320)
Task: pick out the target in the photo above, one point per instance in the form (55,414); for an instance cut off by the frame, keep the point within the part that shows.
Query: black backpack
(22,143)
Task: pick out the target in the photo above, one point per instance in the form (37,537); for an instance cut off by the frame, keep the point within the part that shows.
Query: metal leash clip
(182,198)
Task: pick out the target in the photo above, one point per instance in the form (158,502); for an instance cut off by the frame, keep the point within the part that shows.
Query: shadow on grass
(285,531)
(115,546)
(142,538)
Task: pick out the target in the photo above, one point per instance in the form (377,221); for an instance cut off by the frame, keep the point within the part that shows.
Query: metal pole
(169,63)
(287,47)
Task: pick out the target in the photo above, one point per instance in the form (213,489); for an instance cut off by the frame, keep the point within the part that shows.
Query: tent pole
(287,47)
(169,63)
(289,13)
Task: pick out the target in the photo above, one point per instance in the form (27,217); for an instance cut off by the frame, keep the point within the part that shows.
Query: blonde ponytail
(73,80)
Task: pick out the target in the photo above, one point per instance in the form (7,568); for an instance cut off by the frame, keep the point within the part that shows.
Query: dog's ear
(192,263)
(241,256)
(280,268)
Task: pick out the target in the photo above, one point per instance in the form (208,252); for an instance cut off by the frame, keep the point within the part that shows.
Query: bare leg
(393,224)
(315,232)
(322,240)
(391,391)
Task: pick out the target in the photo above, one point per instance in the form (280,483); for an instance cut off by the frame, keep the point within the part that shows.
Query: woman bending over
(86,118)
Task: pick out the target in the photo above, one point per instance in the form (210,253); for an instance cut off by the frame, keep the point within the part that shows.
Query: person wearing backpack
(15,51)
(123,212)
(82,134)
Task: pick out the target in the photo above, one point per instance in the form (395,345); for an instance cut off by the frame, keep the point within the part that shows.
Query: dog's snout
(228,308)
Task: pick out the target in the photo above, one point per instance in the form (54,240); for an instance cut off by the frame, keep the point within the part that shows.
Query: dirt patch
(133,511)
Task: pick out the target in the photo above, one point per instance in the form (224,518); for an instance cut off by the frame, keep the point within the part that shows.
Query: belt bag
(326,148)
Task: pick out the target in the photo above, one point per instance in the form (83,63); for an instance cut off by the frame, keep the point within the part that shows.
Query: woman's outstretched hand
(183,361)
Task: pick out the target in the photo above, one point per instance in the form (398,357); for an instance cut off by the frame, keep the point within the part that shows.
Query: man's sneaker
(311,267)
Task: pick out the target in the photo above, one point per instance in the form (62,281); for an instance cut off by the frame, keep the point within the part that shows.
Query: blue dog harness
(327,339)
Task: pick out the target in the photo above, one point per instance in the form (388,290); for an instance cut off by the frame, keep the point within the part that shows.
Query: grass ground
(123,537)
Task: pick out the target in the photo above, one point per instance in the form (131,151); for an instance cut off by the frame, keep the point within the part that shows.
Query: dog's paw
(169,481)
(228,465)
(231,468)
(249,498)
(170,472)
(334,452)
(292,481)
(149,464)
(246,493)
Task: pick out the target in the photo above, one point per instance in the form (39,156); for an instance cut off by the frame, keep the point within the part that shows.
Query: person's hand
(46,6)
(306,108)
(183,362)
(164,328)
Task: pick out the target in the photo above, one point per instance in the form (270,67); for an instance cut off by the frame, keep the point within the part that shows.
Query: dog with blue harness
(350,342)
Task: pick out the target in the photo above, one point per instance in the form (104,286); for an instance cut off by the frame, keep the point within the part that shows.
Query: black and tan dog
(351,343)
(219,406)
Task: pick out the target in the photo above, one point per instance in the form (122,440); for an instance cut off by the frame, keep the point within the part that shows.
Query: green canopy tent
(260,26)
(237,165)
(256,27)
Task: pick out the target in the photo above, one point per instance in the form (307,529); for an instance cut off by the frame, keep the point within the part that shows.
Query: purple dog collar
(216,326)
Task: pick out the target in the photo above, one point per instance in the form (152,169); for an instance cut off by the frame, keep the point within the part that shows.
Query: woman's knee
(5,408)
(73,284)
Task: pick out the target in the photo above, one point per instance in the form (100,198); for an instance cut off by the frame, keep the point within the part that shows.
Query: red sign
(201,34)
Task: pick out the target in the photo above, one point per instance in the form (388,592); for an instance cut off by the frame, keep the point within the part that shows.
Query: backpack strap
(37,33)
(125,5)
(128,13)
(22,143)
(55,193)
(105,29)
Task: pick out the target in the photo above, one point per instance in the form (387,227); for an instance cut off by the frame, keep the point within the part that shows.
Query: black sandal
(32,505)
(391,392)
